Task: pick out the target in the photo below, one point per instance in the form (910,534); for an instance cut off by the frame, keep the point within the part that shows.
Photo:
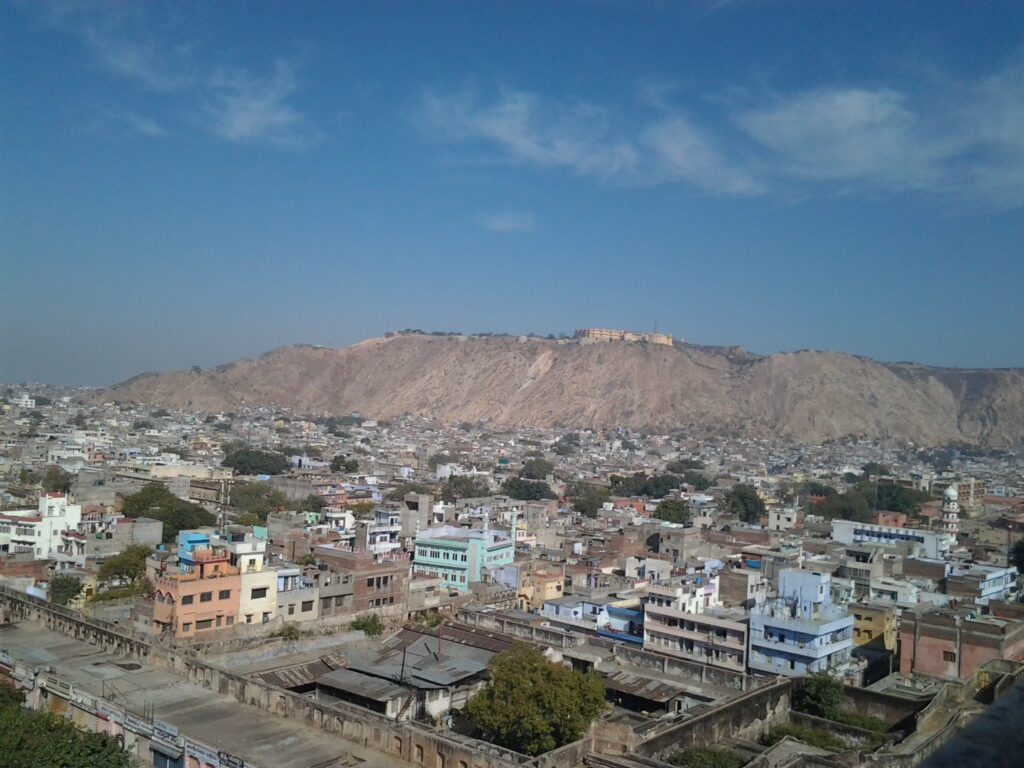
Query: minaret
(950,511)
(515,515)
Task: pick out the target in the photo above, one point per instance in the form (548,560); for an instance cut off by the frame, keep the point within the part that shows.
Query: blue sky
(185,184)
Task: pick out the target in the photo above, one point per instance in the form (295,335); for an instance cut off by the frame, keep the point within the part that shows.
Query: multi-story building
(461,556)
(683,617)
(928,543)
(38,531)
(979,583)
(298,597)
(802,631)
(257,599)
(364,582)
(875,625)
(199,599)
(955,642)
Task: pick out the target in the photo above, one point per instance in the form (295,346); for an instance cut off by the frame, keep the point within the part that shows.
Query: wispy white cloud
(525,128)
(181,83)
(958,141)
(847,135)
(247,109)
(508,222)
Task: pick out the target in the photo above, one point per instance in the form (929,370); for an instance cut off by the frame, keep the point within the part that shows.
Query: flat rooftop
(217,720)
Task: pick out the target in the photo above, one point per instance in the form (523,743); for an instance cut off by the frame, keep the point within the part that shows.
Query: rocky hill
(809,396)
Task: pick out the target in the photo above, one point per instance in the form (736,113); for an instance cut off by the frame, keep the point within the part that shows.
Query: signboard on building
(226,760)
(138,725)
(164,730)
(204,755)
(109,711)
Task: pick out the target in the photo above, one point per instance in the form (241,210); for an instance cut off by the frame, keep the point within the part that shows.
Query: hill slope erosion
(808,396)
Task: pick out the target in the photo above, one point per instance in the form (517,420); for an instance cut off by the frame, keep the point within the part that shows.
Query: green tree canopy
(125,569)
(252,461)
(705,757)
(673,511)
(370,623)
(155,501)
(742,500)
(41,740)
(639,484)
(587,499)
(1017,555)
(259,499)
(533,706)
(527,490)
(64,589)
(818,694)
(679,466)
(341,463)
(56,480)
(463,487)
(536,469)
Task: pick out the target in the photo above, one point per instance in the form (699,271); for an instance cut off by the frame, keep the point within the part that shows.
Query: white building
(928,543)
(257,599)
(38,531)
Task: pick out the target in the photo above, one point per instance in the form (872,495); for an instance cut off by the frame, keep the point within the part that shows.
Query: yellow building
(875,624)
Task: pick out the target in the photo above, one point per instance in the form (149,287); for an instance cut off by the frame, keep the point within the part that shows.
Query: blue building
(802,631)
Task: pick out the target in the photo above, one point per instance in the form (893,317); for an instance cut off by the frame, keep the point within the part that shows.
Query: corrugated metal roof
(643,687)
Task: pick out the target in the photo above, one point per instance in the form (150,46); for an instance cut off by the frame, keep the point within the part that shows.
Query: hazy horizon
(194,183)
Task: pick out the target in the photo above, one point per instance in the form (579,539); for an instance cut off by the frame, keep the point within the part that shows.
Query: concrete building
(683,618)
(38,532)
(257,599)
(927,543)
(802,631)
(460,556)
(979,583)
(201,599)
(875,625)
(955,642)
(298,598)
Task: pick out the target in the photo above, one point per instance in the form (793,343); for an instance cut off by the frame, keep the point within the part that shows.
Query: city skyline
(189,185)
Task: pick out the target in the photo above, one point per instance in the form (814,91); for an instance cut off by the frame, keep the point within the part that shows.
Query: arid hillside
(809,396)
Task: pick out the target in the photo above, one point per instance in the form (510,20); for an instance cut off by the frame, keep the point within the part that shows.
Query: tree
(874,469)
(819,694)
(64,589)
(705,757)
(78,420)
(125,569)
(42,740)
(1017,555)
(312,503)
(370,623)
(342,463)
(673,511)
(155,501)
(698,480)
(251,461)
(587,499)
(259,499)
(56,480)
(399,491)
(680,466)
(440,458)
(142,424)
(463,487)
(527,490)
(743,501)
(640,484)
(533,706)
(536,469)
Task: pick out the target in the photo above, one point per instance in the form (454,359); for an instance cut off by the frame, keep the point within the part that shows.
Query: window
(204,624)
(419,754)
(307,605)
(369,582)
(259,593)
(186,627)
(224,594)
(248,618)
(291,609)
(187,599)
(231,620)
(205,597)
(948,656)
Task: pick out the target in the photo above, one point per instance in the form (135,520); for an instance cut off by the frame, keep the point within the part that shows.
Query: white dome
(950,494)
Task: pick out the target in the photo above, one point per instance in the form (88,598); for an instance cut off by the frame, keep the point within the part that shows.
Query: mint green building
(460,556)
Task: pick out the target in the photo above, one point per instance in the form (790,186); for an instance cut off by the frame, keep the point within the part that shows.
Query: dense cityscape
(217,588)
